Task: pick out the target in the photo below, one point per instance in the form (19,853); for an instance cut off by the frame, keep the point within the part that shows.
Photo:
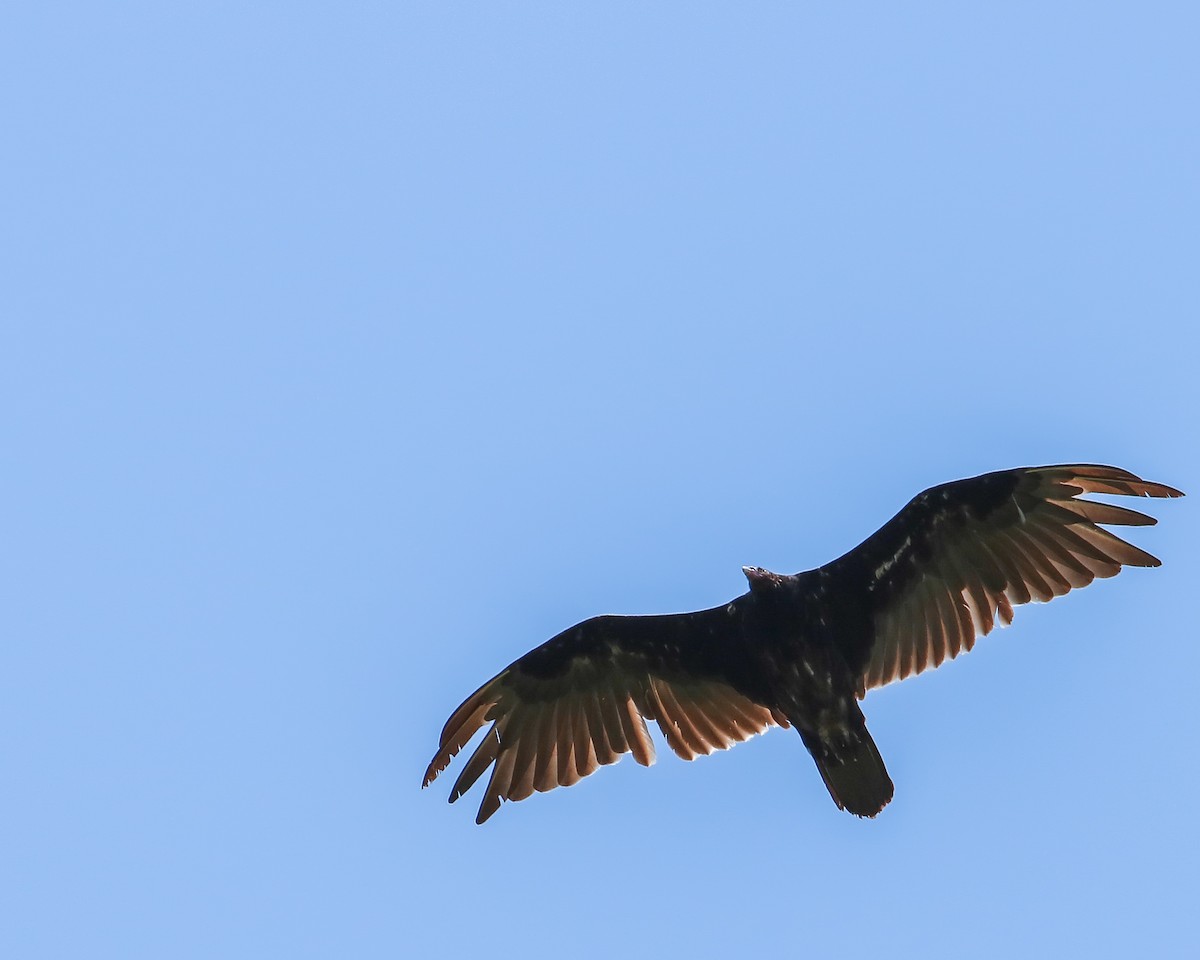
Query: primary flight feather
(799,650)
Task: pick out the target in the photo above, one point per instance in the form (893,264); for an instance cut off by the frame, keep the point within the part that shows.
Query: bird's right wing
(580,701)
(961,555)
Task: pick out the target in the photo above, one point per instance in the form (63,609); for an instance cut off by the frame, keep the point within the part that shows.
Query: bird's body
(799,650)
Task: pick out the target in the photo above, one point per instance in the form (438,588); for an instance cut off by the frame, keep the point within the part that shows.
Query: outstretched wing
(961,555)
(580,701)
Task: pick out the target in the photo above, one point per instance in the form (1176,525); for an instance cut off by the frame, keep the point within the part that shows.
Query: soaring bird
(799,650)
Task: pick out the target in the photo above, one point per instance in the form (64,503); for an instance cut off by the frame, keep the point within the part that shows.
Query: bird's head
(763,580)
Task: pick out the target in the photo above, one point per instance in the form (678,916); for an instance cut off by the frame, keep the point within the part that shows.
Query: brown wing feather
(962,566)
(547,733)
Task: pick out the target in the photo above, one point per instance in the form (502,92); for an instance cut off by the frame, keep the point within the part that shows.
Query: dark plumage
(800,650)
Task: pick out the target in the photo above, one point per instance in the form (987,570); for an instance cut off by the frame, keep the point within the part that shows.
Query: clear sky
(351,350)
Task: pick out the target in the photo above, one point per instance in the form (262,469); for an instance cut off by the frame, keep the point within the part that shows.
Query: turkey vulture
(800,650)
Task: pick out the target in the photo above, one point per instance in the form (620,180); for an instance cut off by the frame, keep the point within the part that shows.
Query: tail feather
(854,774)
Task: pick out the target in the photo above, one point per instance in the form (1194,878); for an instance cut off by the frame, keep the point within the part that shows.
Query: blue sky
(352,350)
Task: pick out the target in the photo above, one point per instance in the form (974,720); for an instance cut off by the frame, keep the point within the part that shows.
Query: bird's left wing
(961,555)
(580,701)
